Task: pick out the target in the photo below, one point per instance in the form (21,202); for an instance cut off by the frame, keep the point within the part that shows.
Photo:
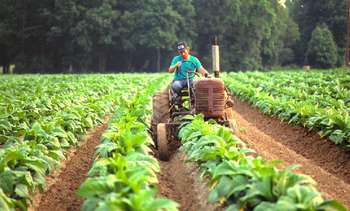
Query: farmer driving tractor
(185,66)
(208,97)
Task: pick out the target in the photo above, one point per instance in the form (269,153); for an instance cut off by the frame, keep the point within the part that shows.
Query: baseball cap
(181,46)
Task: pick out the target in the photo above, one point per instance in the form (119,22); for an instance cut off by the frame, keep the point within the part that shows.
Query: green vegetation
(322,50)
(49,114)
(123,176)
(33,102)
(140,35)
(241,181)
(318,100)
(252,34)
(77,36)
(309,14)
(42,116)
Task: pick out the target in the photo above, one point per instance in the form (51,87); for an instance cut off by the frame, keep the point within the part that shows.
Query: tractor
(207,96)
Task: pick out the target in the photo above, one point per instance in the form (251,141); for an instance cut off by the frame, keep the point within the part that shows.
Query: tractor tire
(161,111)
(162,142)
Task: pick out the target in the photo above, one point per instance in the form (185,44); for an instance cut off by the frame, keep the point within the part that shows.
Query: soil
(181,182)
(62,184)
(327,163)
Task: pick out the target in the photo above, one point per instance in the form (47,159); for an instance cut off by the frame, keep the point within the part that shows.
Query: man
(184,64)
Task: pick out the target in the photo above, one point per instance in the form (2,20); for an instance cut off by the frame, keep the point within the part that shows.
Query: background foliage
(322,50)
(114,35)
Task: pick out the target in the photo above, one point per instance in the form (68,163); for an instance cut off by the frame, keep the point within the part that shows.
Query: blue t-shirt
(191,64)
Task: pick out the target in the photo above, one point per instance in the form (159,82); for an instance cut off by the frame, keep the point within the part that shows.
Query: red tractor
(207,96)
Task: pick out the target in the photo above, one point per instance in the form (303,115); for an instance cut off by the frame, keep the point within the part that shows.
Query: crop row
(239,180)
(31,99)
(318,100)
(36,149)
(28,99)
(123,177)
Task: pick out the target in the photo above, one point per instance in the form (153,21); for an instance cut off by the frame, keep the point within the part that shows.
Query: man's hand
(174,67)
(178,64)
(204,72)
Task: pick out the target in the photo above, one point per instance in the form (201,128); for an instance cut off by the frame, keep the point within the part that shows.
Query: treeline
(50,36)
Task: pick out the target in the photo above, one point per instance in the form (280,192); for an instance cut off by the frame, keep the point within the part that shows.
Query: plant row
(123,176)
(27,100)
(40,147)
(318,100)
(240,180)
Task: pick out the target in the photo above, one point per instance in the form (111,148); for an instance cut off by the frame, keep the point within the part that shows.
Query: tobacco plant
(240,180)
(41,117)
(123,176)
(318,100)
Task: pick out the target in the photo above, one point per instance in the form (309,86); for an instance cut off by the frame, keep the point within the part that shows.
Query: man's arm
(174,67)
(203,71)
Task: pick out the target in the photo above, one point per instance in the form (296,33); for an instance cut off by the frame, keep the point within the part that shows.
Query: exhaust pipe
(216,57)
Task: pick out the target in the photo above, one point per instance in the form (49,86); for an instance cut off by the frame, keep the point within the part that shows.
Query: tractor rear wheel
(162,142)
(161,113)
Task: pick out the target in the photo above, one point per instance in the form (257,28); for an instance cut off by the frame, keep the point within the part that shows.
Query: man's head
(183,49)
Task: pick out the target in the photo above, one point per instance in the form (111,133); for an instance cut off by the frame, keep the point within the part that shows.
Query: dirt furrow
(327,163)
(181,182)
(60,193)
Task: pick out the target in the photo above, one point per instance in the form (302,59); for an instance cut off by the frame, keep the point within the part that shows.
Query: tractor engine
(209,97)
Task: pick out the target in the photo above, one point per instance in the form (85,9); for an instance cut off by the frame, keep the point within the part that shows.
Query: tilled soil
(328,164)
(60,193)
(325,162)
(181,182)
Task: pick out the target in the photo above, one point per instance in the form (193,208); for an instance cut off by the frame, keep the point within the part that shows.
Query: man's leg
(176,87)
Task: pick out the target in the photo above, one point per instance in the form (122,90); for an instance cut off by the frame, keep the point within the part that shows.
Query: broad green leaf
(331,205)
(22,190)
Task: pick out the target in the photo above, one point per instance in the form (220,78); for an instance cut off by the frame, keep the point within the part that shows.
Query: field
(70,142)
(319,100)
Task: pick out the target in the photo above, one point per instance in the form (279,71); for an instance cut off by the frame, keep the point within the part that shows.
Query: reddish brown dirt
(325,162)
(181,182)
(60,194)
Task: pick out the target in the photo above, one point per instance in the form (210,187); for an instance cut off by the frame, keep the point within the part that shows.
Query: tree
(250,31)
(22,31)
(322,50)
(308,14)
(75,36)
(289,37)
(62,37)
(8,35)
(99,20)
(156,29)
(186,25)
(211,18)
(150,30)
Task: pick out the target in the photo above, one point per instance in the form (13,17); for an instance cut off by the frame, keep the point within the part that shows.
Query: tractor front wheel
(161,113)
